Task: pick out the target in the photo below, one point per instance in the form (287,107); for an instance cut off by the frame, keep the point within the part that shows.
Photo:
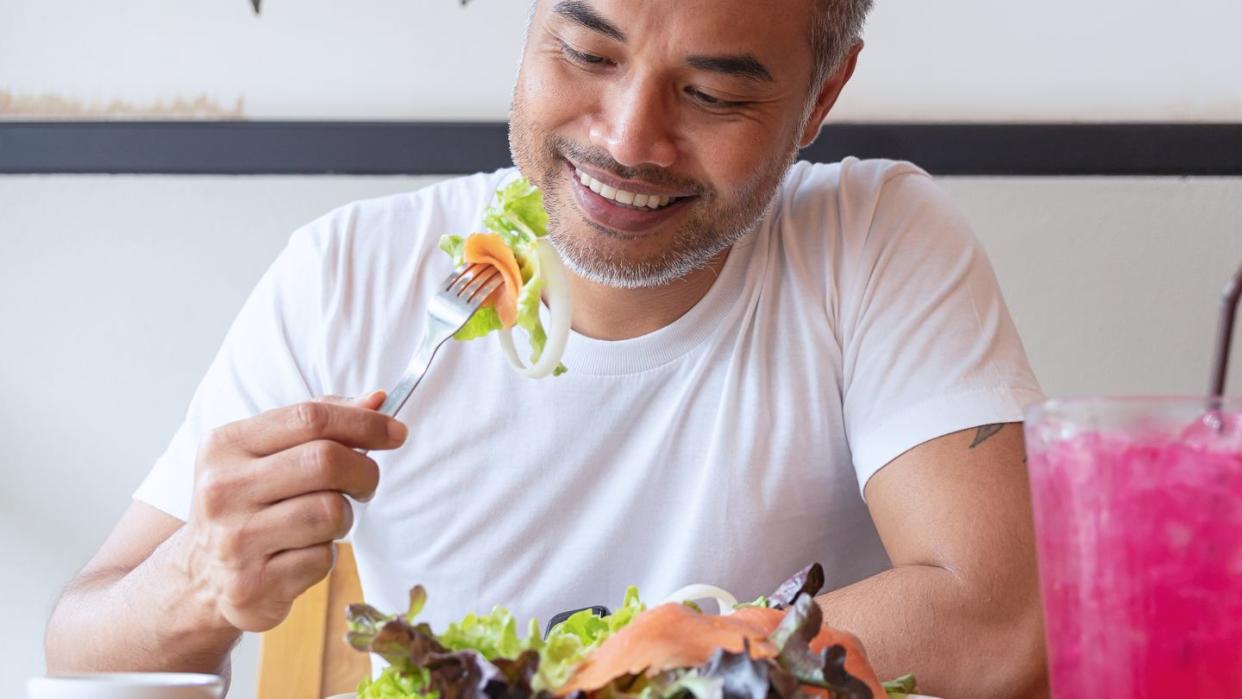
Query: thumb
(369,401)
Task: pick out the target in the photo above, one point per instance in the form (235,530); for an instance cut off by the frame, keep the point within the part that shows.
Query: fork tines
(470,281)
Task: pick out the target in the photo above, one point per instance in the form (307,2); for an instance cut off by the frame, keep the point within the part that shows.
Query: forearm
(959,640)
(151,618)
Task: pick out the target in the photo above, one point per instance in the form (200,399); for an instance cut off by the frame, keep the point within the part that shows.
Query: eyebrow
(742,65)
(581,13)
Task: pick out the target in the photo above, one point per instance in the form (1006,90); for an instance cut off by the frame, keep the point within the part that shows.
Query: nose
(635,125)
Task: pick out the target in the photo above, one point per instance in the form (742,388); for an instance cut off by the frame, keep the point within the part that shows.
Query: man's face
(658,129)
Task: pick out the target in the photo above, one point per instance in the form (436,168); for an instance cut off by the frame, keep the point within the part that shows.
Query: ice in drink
(1138,512)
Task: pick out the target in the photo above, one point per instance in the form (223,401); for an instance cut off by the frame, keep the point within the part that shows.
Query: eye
(712,102)
(582,58)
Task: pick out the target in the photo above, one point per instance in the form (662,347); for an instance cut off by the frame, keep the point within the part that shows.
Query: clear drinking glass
(1138,516)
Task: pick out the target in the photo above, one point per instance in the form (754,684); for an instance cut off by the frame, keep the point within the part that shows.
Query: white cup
(126,685)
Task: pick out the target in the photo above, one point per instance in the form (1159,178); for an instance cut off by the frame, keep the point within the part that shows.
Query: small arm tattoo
(984,433)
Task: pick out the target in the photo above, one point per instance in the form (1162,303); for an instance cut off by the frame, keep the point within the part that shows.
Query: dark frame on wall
(444,148)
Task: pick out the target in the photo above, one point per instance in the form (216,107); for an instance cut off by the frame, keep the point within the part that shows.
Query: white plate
(126,685)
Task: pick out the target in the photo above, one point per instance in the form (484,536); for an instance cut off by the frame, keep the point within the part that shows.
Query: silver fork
(459,296)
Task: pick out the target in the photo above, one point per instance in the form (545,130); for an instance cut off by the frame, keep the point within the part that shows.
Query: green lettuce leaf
(393,685)
(494,635)
(478,657)
(483,322)
(518,214)
(900,687)
(569,641)
(455,247)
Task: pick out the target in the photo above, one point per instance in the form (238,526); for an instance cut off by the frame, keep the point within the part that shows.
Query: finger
(296,523)
(369,401)
(306,468)
(291,572)
(283,428)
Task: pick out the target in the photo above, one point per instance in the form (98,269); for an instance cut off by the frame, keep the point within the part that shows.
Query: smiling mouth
(633,200)
(622,213)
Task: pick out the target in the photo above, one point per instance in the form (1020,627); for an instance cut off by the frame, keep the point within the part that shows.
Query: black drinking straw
(1224,335)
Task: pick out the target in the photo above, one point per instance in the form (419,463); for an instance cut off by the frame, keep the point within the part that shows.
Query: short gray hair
(836,25)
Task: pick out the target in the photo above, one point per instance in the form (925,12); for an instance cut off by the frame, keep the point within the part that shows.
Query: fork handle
(432,339)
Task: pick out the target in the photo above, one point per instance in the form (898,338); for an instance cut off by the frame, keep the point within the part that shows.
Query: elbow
(56,647)
(70,639)
(1026,672)
(1012,660)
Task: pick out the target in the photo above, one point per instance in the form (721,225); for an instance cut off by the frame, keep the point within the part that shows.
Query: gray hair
(836,25)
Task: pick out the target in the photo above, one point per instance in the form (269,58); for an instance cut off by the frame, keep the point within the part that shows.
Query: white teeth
(648,201)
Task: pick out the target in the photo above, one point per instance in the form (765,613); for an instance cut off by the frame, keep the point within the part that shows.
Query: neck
(607,313)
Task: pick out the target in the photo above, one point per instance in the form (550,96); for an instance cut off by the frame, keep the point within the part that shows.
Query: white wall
(117,290)
(964,60)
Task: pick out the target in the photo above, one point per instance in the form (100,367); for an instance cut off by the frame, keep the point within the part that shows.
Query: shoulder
(854,189)
(869,205)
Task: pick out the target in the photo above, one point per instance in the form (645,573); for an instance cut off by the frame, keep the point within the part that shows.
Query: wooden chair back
(306,657)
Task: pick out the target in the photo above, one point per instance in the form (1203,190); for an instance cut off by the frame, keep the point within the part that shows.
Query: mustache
(599,159)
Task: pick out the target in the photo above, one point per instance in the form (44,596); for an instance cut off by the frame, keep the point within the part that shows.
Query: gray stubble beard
(693,248)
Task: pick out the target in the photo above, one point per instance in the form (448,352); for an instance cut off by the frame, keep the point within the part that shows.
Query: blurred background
(115,289)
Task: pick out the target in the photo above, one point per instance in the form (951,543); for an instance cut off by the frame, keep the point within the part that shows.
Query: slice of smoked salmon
(676,636)
(490,249)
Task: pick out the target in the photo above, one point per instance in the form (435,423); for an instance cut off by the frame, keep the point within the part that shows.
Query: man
(755,345)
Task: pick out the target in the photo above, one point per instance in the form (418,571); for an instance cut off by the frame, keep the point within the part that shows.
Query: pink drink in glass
(1138,514)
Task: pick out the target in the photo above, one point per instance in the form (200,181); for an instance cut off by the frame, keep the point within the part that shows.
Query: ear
(828,95)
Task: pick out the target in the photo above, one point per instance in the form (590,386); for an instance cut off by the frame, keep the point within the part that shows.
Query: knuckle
(320,460)
(346,522)
(213,490)
(328,509)
(310,566)
(370,474)
(310,417)
(322,558)
(239,593)
(333,509)
(214,443)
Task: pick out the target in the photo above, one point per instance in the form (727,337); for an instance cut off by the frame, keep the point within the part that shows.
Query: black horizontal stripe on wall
(426,148)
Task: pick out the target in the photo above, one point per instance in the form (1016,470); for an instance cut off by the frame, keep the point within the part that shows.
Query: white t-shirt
(860,319)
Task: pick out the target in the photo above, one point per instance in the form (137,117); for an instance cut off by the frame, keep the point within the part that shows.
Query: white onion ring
(691,593)
(560,311)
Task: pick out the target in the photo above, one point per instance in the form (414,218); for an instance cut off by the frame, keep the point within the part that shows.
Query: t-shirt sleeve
(267,360)
(929,347)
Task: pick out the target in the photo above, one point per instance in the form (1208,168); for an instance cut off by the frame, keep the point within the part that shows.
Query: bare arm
(134,606)
(960,608)
(269,500)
